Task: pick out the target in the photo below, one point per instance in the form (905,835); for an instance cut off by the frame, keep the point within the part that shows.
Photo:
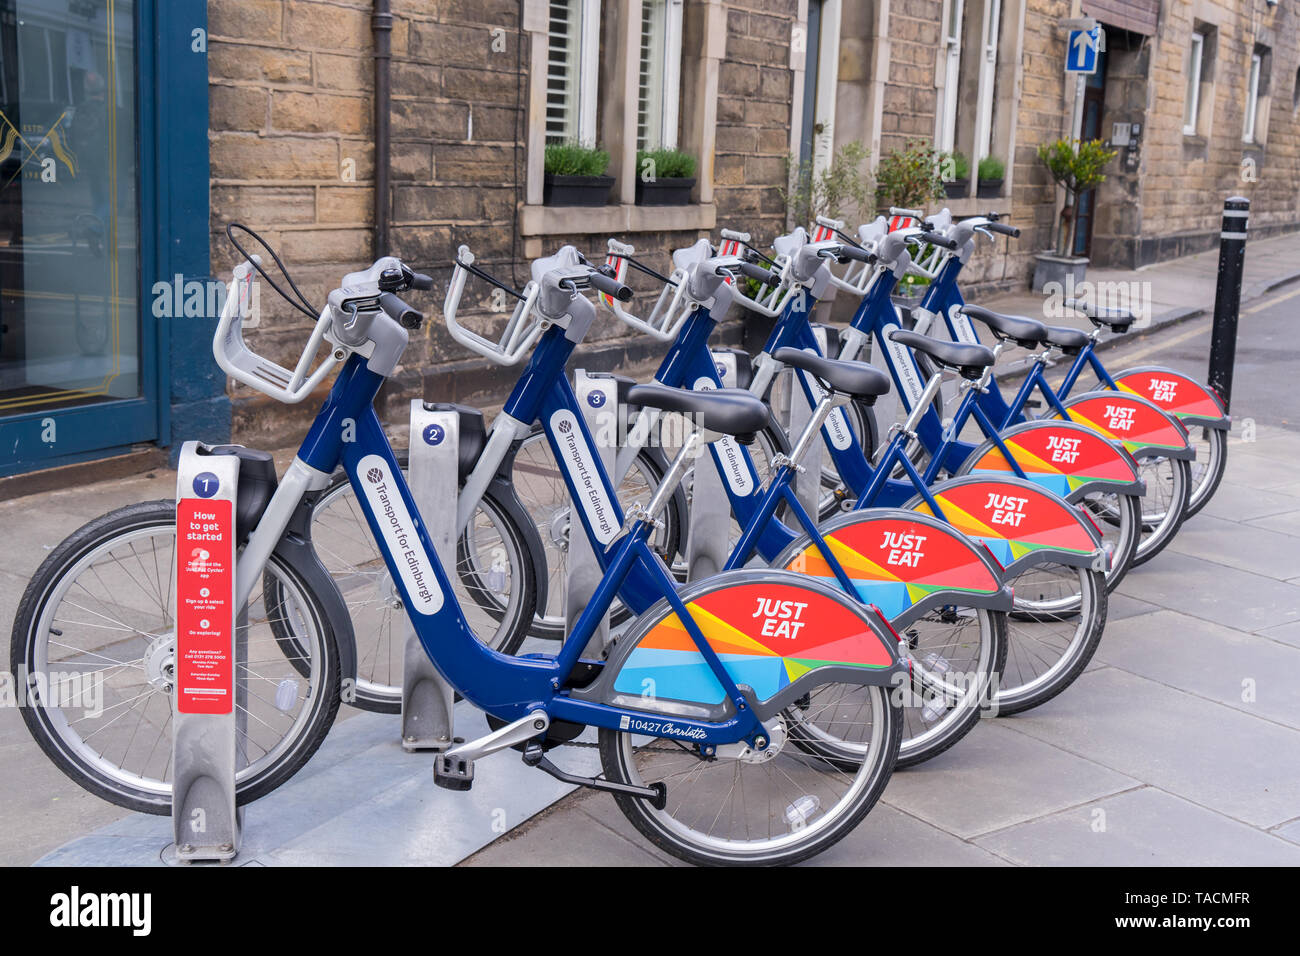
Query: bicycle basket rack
(244,365)
(521,330)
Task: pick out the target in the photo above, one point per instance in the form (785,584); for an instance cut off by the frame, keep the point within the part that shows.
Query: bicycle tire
(160,516)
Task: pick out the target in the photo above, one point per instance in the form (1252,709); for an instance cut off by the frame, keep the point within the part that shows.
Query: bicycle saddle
(848,378)
(1115,319)
(969,360)
(1068,340)
(731,411)
(1025,332)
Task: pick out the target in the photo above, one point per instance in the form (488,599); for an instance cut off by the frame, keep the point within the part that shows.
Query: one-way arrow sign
(1081,51)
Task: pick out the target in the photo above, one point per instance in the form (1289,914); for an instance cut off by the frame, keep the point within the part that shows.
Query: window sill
(974,206)
(616,220)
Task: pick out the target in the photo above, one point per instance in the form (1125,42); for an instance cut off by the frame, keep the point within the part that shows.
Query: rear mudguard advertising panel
(1140,426)
(904,563)
(778,635)
(1019,522)
(1175,394)
(1065,458)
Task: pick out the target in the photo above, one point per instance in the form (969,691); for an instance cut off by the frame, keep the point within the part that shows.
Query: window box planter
(1066,272)
(957,190)
(664,192)
(989,189)
(576,190)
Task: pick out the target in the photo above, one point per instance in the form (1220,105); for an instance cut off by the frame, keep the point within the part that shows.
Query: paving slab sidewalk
(1179,746)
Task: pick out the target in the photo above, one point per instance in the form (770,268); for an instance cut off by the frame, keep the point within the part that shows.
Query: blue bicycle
(696,705)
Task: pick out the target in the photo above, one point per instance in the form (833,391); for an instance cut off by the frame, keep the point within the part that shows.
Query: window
(952,24)
(659,76)
(970,75)
(572,64)
(988,74)
(1255,127)
(1252,98)
(1195,68)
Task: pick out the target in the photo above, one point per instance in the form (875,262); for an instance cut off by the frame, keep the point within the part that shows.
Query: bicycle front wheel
(94,643)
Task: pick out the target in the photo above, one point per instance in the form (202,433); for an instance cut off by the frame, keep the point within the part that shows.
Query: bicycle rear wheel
(1211,446)
(1057,623)
(1164,506)
(754,810)
(98,615)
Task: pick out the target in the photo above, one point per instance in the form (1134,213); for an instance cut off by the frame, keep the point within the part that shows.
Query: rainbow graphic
(1173,393)
(1012,519)
(1059,457)
(1135,424)
(895,562)
(767,635)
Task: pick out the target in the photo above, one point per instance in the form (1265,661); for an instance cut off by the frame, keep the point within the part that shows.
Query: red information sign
(205,586)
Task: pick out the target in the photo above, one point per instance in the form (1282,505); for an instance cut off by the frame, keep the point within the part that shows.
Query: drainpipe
(381,27)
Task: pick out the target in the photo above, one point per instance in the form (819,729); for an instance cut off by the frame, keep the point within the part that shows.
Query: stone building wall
(291,128)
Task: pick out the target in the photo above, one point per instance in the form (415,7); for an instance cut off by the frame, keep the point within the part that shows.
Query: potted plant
(1076,167)
(909,177)
(991,173)
(911,289)
(841,190)
(575,175)
(955,168)
(664,177)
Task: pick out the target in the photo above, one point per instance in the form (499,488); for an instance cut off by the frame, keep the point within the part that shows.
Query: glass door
(71,333)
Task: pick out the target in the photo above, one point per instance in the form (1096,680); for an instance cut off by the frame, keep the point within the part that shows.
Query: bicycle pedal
(453,773)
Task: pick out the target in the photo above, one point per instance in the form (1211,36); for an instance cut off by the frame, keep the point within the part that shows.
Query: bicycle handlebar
(1003,229)
(406,316)
(934,239)
(755,271)
(856,253)
(610,286)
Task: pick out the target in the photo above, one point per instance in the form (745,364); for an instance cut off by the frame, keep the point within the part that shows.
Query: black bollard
(1227,295)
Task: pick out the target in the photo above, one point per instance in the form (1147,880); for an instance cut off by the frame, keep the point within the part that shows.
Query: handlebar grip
(934,239)
(1003,229)
(900,211)
(421,281)
(856,252)
(755,271)
(395,308)
(611,287)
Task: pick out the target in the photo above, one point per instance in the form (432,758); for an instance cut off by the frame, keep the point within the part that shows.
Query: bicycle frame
(506,687)
(689,363)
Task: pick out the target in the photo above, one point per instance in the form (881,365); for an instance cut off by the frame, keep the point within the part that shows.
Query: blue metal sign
(1081,51)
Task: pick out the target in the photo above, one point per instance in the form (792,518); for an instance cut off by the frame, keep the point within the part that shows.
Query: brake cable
(302,305)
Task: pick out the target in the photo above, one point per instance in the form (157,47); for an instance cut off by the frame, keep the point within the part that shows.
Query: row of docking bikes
(955,564)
